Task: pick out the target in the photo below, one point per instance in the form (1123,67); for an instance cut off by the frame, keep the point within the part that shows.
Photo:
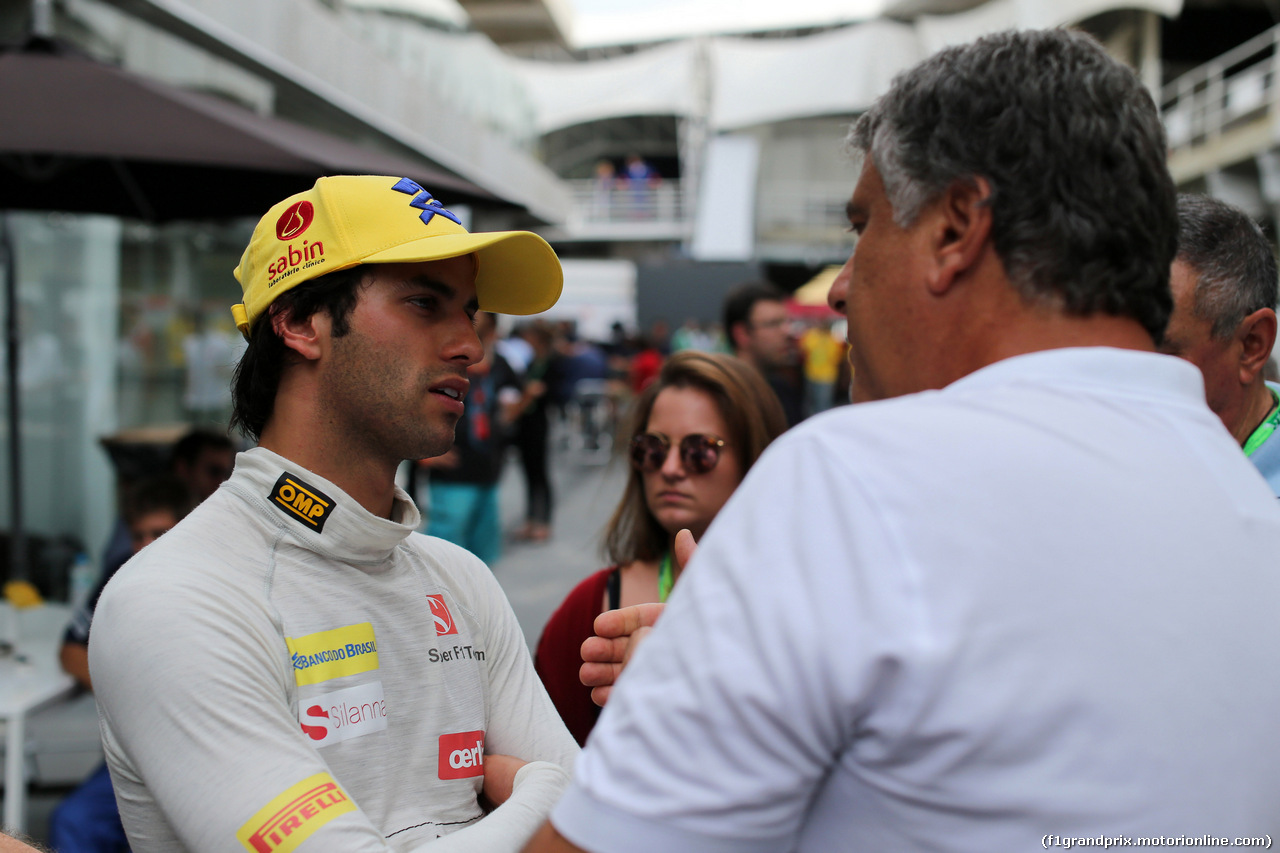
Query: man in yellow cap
(294,663)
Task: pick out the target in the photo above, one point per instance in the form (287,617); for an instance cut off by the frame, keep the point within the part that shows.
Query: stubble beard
(377,408)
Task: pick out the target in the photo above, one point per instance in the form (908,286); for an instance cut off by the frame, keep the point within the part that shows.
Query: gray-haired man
(1224,322)
(991,614)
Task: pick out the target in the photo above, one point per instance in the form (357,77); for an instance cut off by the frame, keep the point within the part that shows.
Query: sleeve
(731,715)
(180,674)
(559,655)
(521,722)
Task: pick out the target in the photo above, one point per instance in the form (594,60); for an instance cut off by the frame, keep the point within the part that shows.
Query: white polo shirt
(1041,602)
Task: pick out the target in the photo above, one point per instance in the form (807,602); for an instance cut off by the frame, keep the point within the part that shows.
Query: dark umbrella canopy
(81,136)
(78,135)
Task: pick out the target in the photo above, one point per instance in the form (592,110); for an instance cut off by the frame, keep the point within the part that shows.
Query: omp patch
(295,815)
(302,503)
(343,651)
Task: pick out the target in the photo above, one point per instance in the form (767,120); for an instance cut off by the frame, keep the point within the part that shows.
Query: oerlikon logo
(441,616)
(295,220)
(462,755)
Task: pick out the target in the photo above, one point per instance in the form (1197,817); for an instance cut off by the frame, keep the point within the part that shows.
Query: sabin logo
(301,502)
(295,220)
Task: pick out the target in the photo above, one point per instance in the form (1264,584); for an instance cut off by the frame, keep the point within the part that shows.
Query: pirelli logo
(295,815)
(301,502)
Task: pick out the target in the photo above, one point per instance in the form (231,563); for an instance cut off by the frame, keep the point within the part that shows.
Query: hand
(618,634)
(684,548)
(500,777)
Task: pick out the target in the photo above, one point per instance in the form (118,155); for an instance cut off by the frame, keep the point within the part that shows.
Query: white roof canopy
(653,82)
(759,81)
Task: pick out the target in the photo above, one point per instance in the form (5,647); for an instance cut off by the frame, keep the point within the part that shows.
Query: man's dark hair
(257,376)
(1232,258)
(1083,207)
(739,301)
(188,448)
(165,492)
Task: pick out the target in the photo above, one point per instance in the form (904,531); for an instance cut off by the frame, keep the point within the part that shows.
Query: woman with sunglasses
(694,433)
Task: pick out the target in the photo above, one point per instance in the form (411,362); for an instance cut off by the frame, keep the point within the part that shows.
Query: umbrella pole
(17,539)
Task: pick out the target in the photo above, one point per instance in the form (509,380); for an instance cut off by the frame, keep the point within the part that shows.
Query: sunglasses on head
(698,453)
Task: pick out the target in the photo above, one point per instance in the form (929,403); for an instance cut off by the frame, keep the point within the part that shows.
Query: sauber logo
(441,616)
(301,502)
(343,714)
(295,220)
(462,755)
(295,815)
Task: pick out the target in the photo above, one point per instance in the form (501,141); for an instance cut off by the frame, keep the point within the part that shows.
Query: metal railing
(622,203)
(1224,93)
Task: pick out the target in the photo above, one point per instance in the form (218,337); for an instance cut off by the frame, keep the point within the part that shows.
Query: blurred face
(768,339)
(678,497)
(1191,337)
(211,467)
(149,527)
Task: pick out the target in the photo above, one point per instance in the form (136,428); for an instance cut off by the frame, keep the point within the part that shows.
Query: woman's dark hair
(257,376)
(750,410)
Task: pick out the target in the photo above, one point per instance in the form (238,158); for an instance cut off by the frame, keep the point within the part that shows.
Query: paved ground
(536,577)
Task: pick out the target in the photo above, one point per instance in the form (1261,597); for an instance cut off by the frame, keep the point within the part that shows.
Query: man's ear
(304,336)
(1257,335)
(962,227)
(739,337)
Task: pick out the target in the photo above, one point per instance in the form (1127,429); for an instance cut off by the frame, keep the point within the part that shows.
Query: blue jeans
(87,821)
(467,515)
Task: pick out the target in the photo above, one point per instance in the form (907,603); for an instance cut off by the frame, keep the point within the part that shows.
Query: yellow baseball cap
(347,220)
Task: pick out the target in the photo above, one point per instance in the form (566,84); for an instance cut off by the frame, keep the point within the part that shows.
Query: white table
(29,679)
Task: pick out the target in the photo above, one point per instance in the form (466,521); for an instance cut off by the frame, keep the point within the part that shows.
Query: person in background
(202,459)
(822,357)
(1224,322)
(645,364)
(88,821)
(533,429)
(759,330)
(464,481)
(695,432)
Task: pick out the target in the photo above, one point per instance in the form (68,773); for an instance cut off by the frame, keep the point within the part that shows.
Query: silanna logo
(441,616)
(303,503)
(343,714)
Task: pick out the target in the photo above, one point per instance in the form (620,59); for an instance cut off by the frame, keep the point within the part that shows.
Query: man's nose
(838,295)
